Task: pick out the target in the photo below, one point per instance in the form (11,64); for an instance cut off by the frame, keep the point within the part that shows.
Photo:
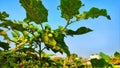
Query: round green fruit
(46,39)
(52,31)
(50,35)
(31,27)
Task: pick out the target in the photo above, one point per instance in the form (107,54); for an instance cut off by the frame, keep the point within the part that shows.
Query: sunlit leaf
(35,10)
(25,25)
(15,33)
(93,13)
(70,8)
(4,34)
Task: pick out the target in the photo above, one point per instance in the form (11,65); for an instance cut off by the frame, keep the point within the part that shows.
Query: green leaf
(59,37)
(55,42)
(70,8)
(35,10)
(82,30)
(17,26)
(12,64)
(13,25)
(4,34)
(117,55)
(93,13)
(3,15)
(104,56)
(79,31)
(4,45)
(98,63)
(26,35)
(15,33)
(6,24)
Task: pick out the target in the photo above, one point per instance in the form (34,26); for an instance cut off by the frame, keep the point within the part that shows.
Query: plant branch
(42,26)
(43,48)
(68,23)
(73,21)
(22,43)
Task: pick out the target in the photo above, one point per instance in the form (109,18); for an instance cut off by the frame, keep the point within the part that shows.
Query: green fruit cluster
(49,39)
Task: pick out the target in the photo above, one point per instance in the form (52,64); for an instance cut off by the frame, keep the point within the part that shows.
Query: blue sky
(105,36)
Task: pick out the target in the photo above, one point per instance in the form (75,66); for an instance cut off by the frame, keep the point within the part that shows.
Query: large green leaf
(35,10)
(79,31)
(93,13)
(4,45)
(70,8)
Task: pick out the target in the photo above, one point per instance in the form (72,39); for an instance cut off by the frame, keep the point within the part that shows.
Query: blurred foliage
(117,55)
(98,63)
(103,62)
(104,56)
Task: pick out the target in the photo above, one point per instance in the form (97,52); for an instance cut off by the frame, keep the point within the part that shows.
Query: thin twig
(40,55)
(68,22)
(73,21)
(43,48)
(14,49)
(42,26)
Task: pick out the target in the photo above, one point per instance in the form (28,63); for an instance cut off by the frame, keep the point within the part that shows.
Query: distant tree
(117,55)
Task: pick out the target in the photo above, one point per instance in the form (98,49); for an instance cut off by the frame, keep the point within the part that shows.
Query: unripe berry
(52,31)
(50,35)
